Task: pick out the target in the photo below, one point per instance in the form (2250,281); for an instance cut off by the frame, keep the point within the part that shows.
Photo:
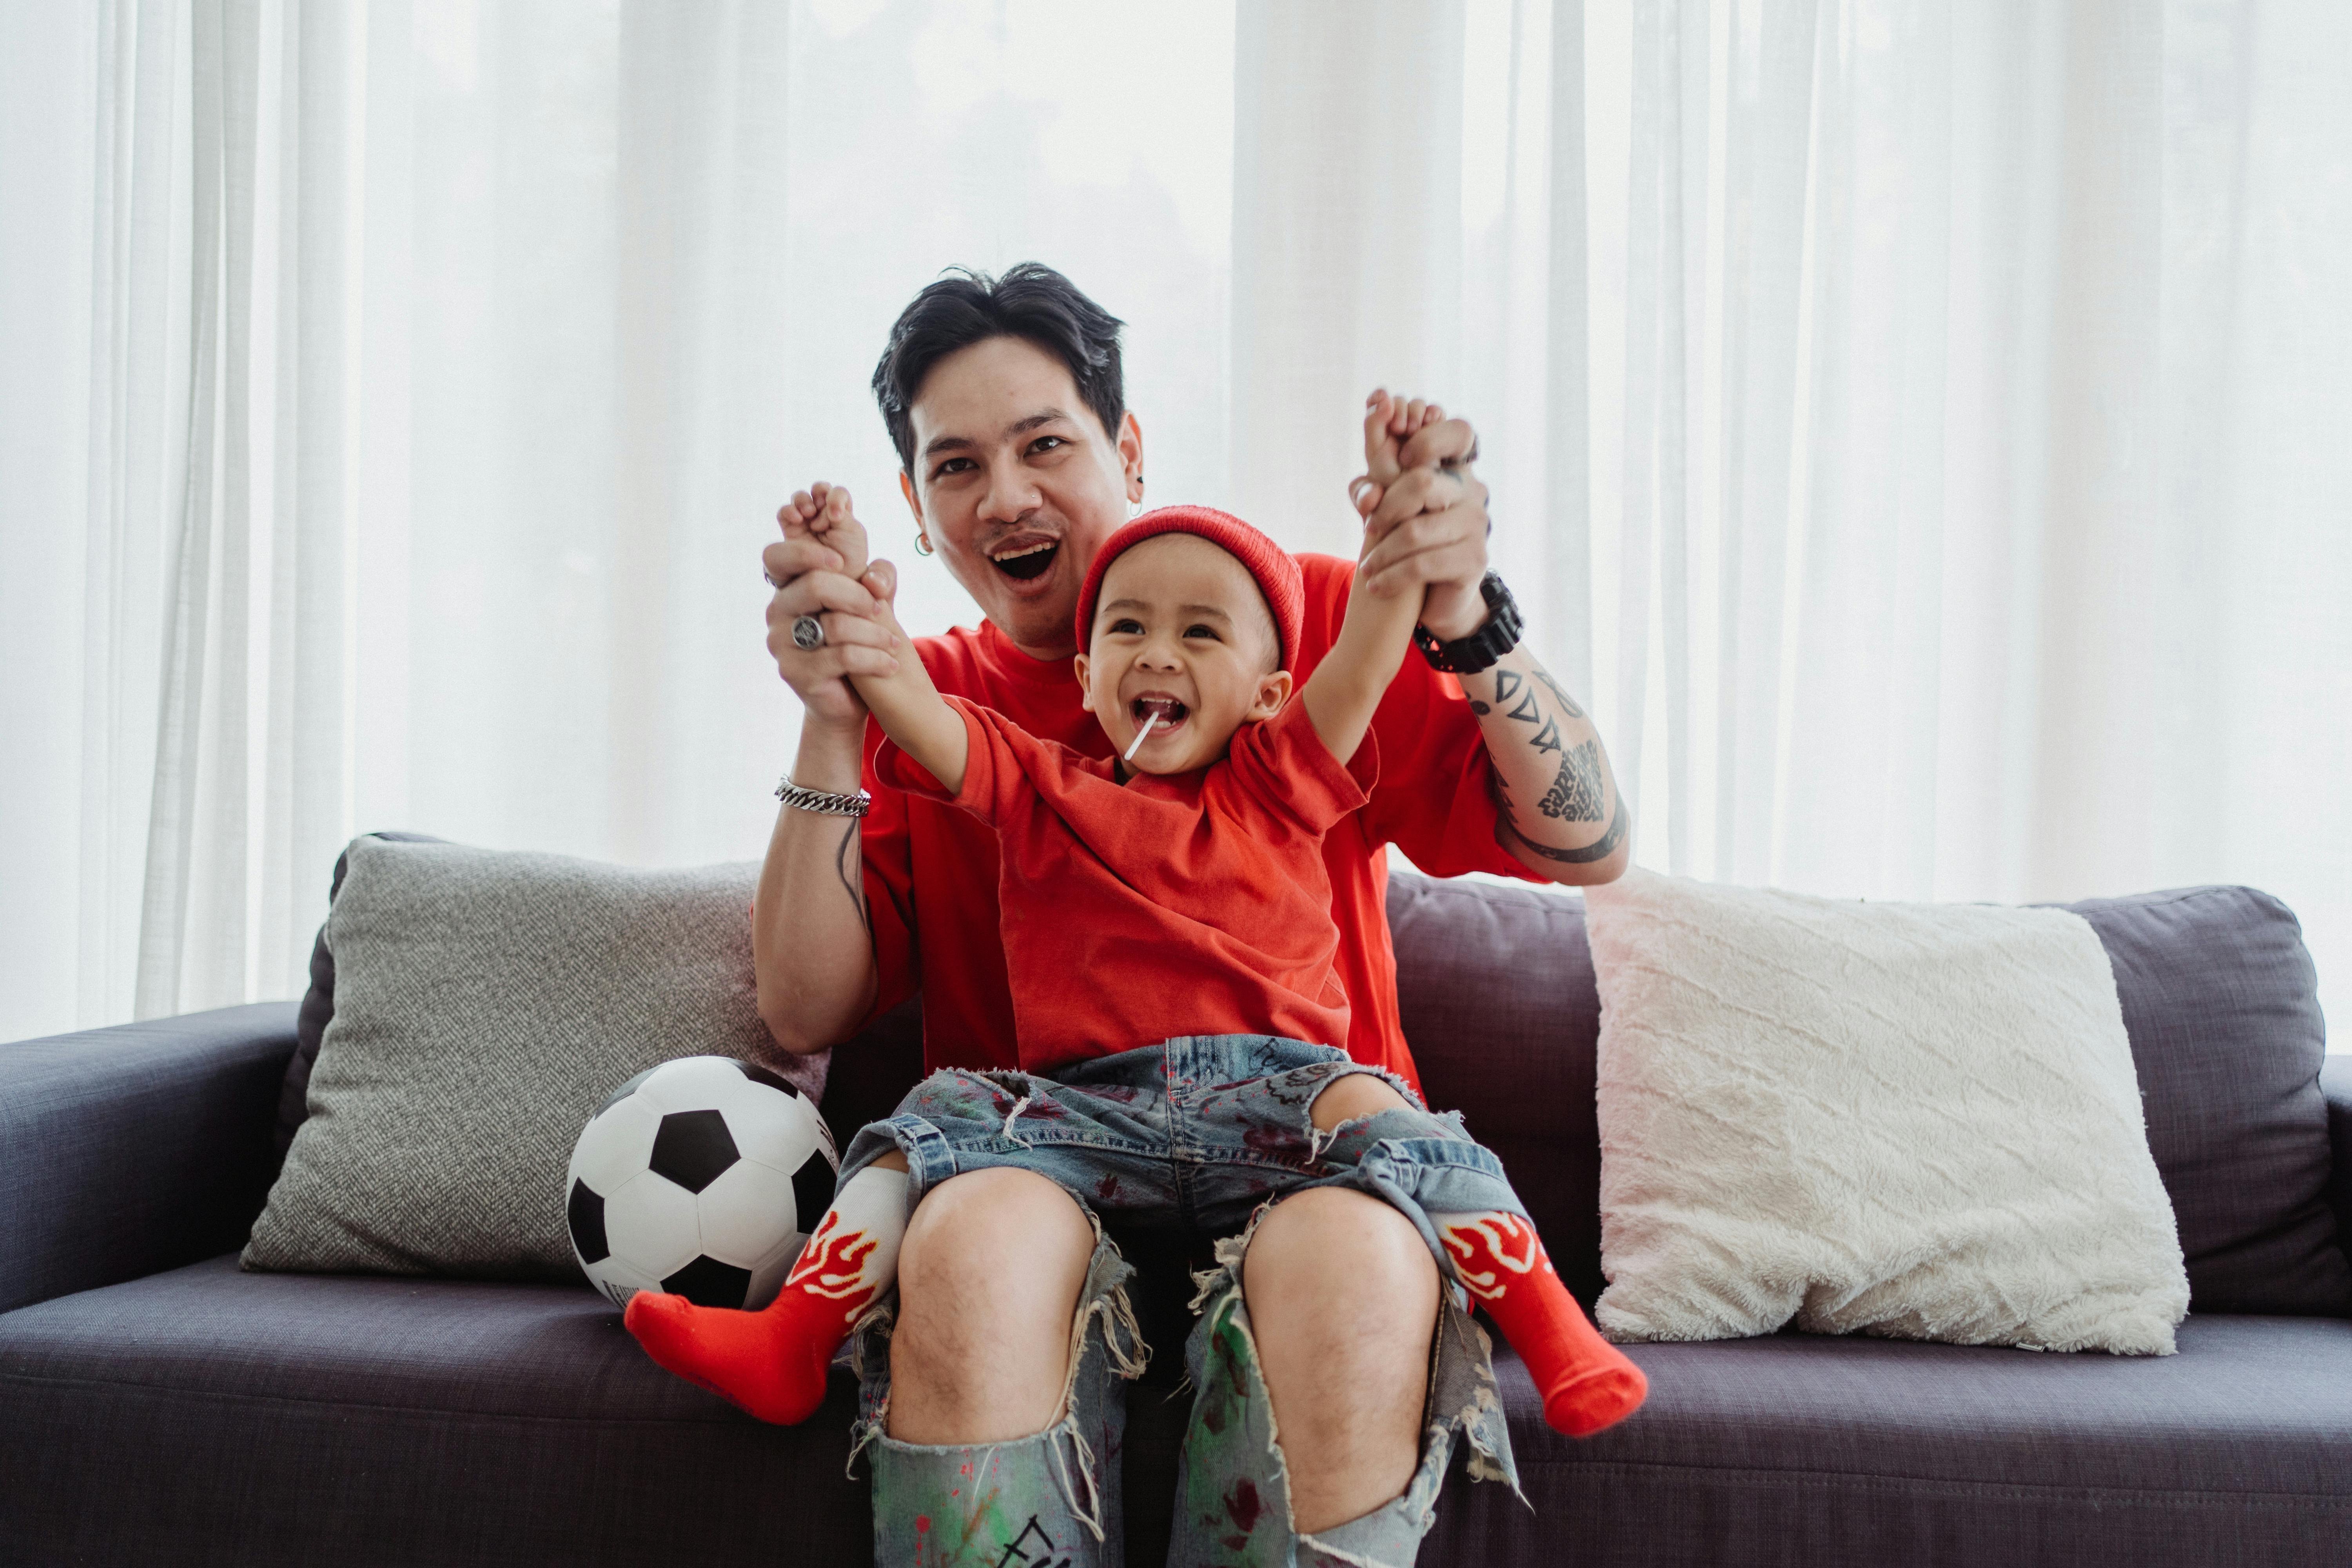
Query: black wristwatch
(1495,636)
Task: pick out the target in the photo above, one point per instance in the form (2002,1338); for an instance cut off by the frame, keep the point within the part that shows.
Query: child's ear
(1273,691)
(1086,687)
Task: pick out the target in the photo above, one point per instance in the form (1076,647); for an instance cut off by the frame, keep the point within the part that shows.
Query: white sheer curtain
(1916,424)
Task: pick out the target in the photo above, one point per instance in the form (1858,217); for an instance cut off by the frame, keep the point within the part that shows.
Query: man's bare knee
(1358,1094)
(989,1277)
(1351,1254)
(1342,1296)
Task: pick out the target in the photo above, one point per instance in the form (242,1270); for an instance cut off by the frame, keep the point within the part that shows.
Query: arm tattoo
(1507,834)
(1506,682)
(1575,795)
(1579,793)
(842,859)
(1566,703)
(1509,683)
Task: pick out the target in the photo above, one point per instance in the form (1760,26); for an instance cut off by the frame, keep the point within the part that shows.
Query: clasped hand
(1424,512)
(820,564)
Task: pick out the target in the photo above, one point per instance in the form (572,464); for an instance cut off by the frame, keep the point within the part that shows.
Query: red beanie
(1276,574)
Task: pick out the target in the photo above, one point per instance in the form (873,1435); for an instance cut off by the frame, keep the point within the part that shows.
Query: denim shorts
(1194,1137)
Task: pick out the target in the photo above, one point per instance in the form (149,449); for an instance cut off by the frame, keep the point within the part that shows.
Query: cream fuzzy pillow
(1919,1121)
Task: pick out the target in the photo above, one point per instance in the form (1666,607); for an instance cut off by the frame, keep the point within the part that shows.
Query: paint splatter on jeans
(1200,1132)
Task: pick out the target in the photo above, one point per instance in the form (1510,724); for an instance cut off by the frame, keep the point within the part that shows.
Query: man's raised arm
(1559,813)
(812,939)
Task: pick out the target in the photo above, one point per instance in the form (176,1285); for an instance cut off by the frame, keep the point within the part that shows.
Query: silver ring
(770,576)
(808,633)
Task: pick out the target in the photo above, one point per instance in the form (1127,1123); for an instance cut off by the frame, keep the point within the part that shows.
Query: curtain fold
(1347,192)
(1914,426)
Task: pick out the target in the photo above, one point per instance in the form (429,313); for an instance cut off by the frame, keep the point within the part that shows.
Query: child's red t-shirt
(1190,903)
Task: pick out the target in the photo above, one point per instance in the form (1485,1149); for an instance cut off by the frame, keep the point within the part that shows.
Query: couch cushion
(318,1002)
(210,1416)
(1497,991)
(2222,1004)
(485,1004)
(1920,1121)
(1800,1450)
(207,1416)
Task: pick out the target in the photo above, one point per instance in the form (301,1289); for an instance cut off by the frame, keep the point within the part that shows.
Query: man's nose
(1012,494)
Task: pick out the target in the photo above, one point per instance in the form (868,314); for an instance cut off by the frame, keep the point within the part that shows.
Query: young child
(1177,886)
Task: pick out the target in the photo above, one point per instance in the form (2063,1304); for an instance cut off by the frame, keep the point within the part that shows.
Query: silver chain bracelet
(822,801)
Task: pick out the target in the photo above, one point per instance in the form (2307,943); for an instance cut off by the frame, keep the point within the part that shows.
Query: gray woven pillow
(486,1002)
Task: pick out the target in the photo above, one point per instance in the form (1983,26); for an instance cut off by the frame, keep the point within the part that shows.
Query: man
(1019,458)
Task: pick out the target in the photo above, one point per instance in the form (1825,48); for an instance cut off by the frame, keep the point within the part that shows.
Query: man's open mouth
(1169,711)
(1028,561)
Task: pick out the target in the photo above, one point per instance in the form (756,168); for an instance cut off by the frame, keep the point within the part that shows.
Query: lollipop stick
(1135,745)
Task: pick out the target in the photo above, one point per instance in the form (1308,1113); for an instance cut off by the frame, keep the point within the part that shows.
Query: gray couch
(159,1406)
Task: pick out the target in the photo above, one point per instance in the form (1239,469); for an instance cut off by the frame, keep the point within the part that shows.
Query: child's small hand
(1389,423)
(823,513)
(881,580)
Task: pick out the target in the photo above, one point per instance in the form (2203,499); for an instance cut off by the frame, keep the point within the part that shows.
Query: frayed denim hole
(1321,1138)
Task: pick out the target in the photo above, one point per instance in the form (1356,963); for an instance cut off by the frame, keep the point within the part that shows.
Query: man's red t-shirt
(1192,903)
(931,869)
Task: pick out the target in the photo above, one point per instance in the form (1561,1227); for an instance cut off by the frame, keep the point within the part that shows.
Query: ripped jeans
(1200,1133)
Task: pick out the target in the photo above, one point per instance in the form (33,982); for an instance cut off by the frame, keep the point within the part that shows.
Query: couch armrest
(137,1148)
(2336,1083)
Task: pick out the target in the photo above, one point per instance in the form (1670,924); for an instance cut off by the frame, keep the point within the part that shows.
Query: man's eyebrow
(1018,427)
(1042,416)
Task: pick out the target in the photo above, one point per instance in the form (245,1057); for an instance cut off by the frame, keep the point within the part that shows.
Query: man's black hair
(1031,300)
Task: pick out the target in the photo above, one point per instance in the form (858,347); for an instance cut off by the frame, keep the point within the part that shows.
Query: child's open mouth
(1167,709)
(1028,561)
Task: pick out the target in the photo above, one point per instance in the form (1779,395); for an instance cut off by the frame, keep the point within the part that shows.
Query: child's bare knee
(1356,1095)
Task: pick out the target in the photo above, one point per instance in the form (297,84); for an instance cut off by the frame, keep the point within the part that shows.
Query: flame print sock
(772,1361)
(1586,1383)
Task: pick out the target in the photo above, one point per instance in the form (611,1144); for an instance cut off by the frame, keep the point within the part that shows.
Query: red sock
(772,1361)
(1586,1383)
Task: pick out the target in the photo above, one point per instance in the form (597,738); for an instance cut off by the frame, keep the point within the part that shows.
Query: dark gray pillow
(484,1003)
(1496,990)
(2222,1004)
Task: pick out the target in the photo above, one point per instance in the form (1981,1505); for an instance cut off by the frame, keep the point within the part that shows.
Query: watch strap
(1495,636)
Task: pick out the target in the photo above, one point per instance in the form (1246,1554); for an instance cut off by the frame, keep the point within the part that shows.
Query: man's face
(1018,484)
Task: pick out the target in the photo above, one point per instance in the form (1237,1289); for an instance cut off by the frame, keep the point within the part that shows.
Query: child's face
(1180,629)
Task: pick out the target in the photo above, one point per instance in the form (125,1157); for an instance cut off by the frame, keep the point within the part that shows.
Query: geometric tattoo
(1575,795)
(1507,834)
(1556,690)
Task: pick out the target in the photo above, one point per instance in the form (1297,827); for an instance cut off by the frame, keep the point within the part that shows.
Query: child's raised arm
(1347,687)
(905,703)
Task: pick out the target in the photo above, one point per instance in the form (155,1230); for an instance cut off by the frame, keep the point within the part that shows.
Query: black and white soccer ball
(700,1177)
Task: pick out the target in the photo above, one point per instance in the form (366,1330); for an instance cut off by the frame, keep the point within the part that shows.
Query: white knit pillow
(1918,1121)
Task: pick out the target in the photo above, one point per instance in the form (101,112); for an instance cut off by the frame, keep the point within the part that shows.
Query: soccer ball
(699,1177)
